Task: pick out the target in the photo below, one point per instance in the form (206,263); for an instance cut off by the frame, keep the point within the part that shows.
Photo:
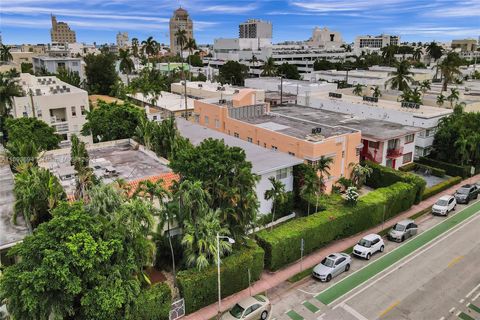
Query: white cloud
(218,9)
(441,31)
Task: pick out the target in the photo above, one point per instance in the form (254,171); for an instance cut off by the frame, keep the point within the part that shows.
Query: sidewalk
(270,280)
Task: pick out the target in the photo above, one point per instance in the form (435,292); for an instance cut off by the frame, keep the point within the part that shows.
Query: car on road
(257,307)
(444,205)
(331,266)
(402,230)
(369,245)
(466,193)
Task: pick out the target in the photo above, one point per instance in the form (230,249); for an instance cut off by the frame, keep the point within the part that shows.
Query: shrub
(153,303)
(199,288)
(408,167)
(282,244)
(440,187)
(451,169)
(384,177)
(415,166)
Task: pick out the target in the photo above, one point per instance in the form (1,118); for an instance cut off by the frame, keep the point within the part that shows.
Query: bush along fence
(451,169)
(441,186)
(200,288)
(153,303)
(418,166)
(282,245)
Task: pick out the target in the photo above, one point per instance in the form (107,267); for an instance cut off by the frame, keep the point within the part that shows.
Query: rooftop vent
(335,95)
(316,130)
(200,85)
(236,91)
(370,99)
(222,101)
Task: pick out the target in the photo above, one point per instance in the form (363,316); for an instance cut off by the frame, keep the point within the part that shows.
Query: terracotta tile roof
(168,179)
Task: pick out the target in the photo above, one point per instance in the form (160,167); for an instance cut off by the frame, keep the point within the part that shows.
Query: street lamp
(281,89)
(231,241)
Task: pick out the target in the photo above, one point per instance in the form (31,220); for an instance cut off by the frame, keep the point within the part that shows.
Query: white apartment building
(325,39)
(122,40)
(254,28)
(208,90)
(60,105)
(52,64)
(375,42)
(164,105)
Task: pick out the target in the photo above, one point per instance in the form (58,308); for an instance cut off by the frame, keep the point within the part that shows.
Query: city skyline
(28,21)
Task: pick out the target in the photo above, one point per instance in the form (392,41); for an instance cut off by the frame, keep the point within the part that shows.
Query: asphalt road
(435,275)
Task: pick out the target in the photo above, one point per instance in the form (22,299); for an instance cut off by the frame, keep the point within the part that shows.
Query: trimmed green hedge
(383,177)
(414,166)
(451,169)
(441,186)
(199,288)
(282,244)
(153,303)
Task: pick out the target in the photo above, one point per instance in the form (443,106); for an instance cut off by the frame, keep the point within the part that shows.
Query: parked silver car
(252,308)
(331,266)
(402,230)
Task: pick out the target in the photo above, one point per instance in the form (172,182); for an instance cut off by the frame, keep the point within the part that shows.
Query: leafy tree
(22,154)
(37,191)
(449,68)
(269,68)
(233,72)
(27,130)
(79,265)
(401,78)
(323,64)
(195,60)
(27,67)
(277,194)
(227,177)
(100,72)
(289,71)
(110,121)
(150,83)
(360,174)
(70,77)
(434,50)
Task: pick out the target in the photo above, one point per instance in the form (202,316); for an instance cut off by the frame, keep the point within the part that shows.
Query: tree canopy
(289,71)
(100,72)
(32,130)
(111,121)
(233,72)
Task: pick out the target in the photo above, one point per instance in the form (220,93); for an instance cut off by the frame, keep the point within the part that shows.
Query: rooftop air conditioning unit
(236,91)
(200,85)
(222,101)
(219,88)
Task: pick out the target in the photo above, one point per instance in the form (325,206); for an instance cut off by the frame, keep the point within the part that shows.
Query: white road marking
(321,316)
(451,310)
(442,318)
(409,257)
(476,297)
(306,292)
(353,312)
(458,313)
(462,301)
(471,292)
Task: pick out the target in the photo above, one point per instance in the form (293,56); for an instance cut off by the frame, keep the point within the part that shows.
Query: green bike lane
(354,280)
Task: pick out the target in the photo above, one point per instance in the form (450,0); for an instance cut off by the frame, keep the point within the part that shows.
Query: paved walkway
(270,280)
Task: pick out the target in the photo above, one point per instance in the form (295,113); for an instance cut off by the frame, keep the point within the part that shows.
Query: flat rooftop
(210,86)
(166,101)
(45,86)
(263,160)
(10,233)
(371,129)
(424,111)
(110,161)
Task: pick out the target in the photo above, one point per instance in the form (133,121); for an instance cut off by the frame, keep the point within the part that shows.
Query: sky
(28,21)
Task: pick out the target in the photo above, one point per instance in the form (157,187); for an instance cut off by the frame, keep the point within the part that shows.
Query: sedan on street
(252,308)
(331,266)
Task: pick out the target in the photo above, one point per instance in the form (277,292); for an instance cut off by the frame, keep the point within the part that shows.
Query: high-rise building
(254,28)
(180,21)
(61,32)
(122,40)
(376,42)
(325,38)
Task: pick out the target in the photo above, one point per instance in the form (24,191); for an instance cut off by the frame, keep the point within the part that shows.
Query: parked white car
(369,245)
(332,266)
(444,205)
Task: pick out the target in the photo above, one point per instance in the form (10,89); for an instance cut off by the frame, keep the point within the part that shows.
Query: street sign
(178,309)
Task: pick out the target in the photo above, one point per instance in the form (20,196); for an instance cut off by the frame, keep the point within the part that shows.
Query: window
(264,145)
(39,113)
(249,139)
(428,132)
(217,123)
(74,111)
(83,111)
(274,148)
(409,138)
(196,118)
(236,135)
(407,157)
(340,261)
(155,118)
(291,153)
(282,173)
(206,120)
(248,311)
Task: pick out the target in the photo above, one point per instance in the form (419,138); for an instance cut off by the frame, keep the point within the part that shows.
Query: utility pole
(281,90)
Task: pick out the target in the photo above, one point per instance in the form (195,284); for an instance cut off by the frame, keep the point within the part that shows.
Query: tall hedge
(429,192)
(451,169)
(153,303)
(199,288)
(384,177)
(282,244)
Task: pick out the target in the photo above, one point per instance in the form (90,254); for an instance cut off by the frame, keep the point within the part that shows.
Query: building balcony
(393,153)
(375,157)
(61,127)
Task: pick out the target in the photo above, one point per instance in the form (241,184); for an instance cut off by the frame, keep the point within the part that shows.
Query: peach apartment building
(302,138)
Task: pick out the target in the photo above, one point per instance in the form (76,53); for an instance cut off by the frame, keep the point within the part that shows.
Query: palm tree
(454,96)
(359,174)
(388,52)
(425,86)
(9,88)
(417,54)
(269,68)
(150,47)
(191,46)
(416,96)
(462,149)
(308,188)
(401,78)
(434,51)
(181,37)
(450,69)
(358,90)
(135,45)
(323,167)
(200,240)
(440,99)
(376,92)
(22,154)
(346,47)
(192,199)
(277,194)
(126,63)
(5,54)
